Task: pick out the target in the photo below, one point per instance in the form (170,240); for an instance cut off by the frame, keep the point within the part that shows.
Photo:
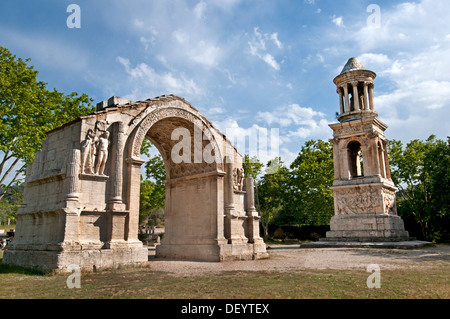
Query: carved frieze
(365,200)
(357,201)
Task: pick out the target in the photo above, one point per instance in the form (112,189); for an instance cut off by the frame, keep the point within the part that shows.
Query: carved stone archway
(81,198)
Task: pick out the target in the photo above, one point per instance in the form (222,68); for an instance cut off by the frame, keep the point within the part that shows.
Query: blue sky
(246,64)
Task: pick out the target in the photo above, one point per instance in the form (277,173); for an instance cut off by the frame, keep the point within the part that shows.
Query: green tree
(421,171)
(252,166)
(271,192)
(309,200)
(153,190)
(27,111)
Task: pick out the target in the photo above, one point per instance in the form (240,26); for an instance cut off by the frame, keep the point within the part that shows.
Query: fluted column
(116,202)
(73,170)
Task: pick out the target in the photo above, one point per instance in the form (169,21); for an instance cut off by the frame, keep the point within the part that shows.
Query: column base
(87,260)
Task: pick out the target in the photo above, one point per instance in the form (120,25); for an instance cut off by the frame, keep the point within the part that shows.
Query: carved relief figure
(102,153)
(389,202)
(87,153)
(238,177)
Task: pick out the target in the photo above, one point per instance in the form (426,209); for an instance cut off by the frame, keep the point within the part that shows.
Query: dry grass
(144,283)
(288,274)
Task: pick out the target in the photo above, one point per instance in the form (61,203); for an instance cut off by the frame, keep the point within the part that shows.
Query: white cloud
(270,60)
(274,38)
(144,80)
(181,36)
(288,115)
(296,122)
(258,47)
(320,57)
(200,10)
(205,53)
(338,21)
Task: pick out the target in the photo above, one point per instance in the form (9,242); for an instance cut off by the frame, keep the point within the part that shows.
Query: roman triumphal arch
(81,197)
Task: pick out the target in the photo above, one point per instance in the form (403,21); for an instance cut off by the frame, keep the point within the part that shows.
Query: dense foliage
(421,171)
(27,111)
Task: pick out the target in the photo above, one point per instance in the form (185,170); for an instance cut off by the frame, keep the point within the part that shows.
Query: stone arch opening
(355,159)
(192,159)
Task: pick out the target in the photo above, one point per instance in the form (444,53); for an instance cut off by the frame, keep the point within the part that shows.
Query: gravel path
(292,258)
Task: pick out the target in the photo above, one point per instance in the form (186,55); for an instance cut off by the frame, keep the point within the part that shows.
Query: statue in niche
(102,153)
(238,178)
(87,153)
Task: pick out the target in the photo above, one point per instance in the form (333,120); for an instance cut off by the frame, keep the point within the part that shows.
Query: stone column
(250,196)
(372,106)
(134,187)
(229,204)
(341,100)
(230,191)
(366,96)
(355,96)
(73,171)
(386,161)
(347,99)
(116,202)
(381,161)
(252,215)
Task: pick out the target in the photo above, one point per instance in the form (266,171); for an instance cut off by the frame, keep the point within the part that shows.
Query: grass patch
(147,284)
(8,269)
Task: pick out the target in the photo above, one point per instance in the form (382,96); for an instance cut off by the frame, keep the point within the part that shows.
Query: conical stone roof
(352,65)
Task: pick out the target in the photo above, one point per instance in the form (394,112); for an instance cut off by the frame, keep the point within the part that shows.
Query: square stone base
(212,252)
(367,227)
(87,260)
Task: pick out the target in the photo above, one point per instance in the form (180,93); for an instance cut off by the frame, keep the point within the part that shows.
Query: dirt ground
(292,258)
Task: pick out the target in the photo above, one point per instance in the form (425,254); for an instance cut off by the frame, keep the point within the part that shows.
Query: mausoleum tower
(364,193)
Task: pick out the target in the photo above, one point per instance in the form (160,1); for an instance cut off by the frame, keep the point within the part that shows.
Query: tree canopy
(309,198)
(421,171)
(27,111)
